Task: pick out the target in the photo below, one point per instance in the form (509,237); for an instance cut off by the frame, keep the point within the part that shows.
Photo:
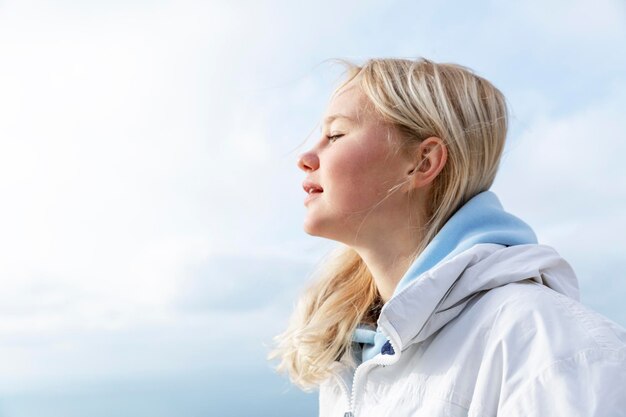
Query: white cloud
(209,342)
(135,147)
(570,163)
(99,125)
(574,21)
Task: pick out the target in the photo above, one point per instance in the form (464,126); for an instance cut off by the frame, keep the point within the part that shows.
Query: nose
(308,161)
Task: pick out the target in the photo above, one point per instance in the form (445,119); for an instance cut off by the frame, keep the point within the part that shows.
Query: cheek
(359,182)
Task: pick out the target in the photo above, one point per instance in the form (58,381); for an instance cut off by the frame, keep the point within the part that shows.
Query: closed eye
(332,138)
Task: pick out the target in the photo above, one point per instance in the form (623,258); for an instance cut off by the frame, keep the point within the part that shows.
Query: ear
(429,160)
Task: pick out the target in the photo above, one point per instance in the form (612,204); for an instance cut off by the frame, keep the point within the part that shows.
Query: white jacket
(493,331)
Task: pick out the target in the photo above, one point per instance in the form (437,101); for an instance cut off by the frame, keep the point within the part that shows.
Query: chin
(310,229)
(325,231)
(314,227)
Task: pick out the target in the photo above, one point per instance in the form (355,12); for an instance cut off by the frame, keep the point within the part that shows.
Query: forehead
(348,102)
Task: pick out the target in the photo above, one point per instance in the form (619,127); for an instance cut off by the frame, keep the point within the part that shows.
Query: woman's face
(354,165)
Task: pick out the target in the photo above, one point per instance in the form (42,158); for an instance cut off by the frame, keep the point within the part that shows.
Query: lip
(312,196)
(312,190)
(310,185)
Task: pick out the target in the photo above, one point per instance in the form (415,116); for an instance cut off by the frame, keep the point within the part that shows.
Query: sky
(151,210)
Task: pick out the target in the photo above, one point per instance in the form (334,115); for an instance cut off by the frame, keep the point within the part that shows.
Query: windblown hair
(420,99)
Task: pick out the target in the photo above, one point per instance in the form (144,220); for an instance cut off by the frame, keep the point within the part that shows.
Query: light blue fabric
(364,334)
(481,220)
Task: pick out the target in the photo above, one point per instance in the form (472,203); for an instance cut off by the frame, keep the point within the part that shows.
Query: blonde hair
(420,99)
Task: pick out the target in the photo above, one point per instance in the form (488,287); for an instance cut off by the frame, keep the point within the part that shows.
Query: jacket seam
(579,317)
(546,369)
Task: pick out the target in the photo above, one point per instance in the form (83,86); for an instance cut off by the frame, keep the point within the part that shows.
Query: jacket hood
(480,247)
(440,295)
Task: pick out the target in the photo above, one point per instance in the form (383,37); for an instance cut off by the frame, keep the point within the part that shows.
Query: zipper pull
(348,414)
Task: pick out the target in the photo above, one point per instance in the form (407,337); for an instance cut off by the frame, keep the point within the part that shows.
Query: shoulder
(523,328)
(546,354)
(553,354)
(529,312)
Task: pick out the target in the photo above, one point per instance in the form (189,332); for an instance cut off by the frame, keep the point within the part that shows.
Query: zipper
(383,360)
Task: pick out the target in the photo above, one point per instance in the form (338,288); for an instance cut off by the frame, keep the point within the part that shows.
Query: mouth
(311,188)
(313,191)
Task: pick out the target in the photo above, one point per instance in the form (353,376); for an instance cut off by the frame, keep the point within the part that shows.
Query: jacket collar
(437,296)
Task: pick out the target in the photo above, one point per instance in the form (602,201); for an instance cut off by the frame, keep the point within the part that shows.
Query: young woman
(438,301)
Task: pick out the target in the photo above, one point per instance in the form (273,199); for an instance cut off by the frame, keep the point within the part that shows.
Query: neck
(389,262)
(388,248)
